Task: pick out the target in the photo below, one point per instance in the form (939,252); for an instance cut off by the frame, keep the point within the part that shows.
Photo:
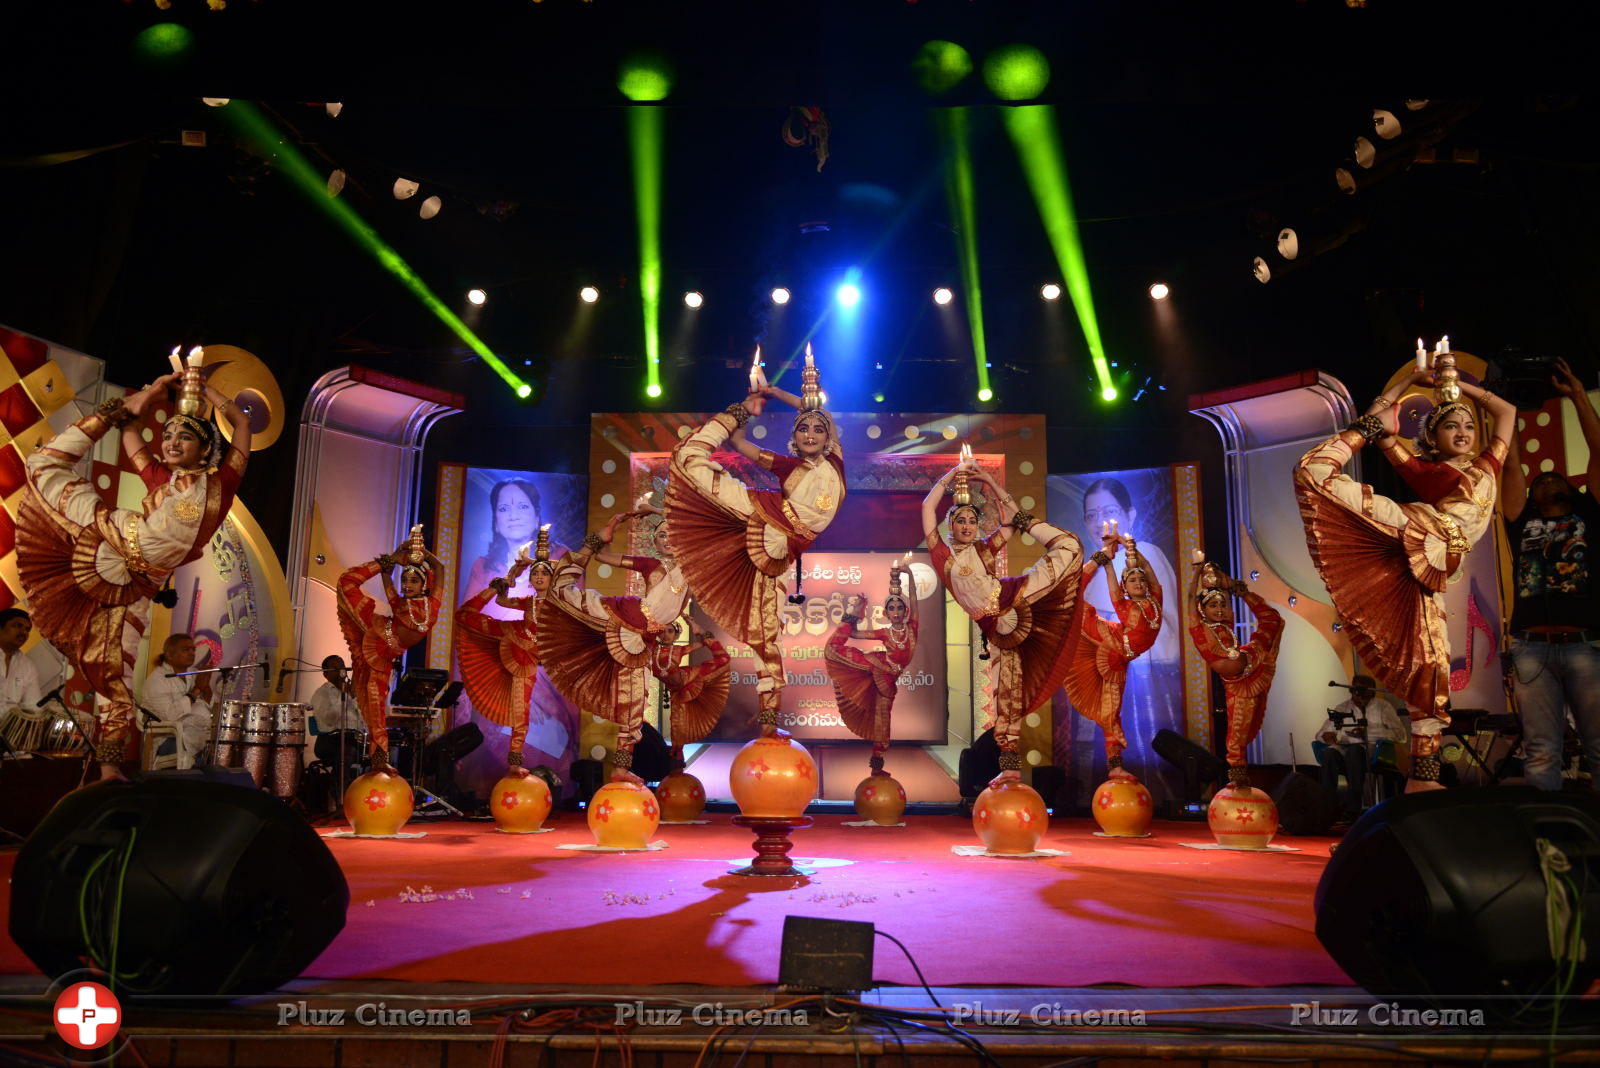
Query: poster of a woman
(1137,503)
(502,510)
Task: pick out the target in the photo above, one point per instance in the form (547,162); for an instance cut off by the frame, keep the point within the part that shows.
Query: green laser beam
(264,139)
(1034,134)
(645,136)
(961,194)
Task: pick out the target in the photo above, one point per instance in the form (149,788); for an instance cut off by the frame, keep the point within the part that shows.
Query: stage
(1213,950)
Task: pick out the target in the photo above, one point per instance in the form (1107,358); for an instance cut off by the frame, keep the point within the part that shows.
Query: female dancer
(697,693)
(1386,564)
(1030,620)
(865,683)
(499,658)
(89,570)
(1107,646)
(376,638)
(1246,670)
(597,649)
(735,543)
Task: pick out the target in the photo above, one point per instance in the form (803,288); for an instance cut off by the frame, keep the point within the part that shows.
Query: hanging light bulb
(430,207)
(405,188)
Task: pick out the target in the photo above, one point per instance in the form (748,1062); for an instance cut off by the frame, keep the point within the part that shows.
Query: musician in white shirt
(19,684)
(184,702)
(1347,735)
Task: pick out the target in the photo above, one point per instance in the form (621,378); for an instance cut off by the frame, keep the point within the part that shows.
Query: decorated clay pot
(1010,818)
(1123,808)
(682,797)
(774,778)
(378,803)
(623,815)
(1242,817)
(520,803)
(880,799)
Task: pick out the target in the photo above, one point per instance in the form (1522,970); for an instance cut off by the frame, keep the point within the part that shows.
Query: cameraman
(1555,618)
(1346,735)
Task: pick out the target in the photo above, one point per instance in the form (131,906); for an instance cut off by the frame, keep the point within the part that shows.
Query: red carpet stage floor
(515,909)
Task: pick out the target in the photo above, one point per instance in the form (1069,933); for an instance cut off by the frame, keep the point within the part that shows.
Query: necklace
(1148,609)
(898,636)
(418,623)
(1227,639)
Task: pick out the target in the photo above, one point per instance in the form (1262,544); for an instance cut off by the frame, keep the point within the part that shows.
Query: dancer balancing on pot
(89,570)
(1107,646)
(865,681)
(1386,564)
(500,658)
(598,649)
(735,543)
(377,638)
(1246,670)
(1029,621)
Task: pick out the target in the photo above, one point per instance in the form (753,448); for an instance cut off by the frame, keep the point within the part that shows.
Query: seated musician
(1363,730)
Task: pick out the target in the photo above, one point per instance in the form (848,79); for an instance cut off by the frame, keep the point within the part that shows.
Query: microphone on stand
(52,695)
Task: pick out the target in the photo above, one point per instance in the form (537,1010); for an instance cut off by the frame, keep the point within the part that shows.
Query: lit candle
(1198,556)
(1113,526)
(1105,528)
(1446,343)
(197,356)
(175,357)
(1422,356)
(810,362)
(755,371)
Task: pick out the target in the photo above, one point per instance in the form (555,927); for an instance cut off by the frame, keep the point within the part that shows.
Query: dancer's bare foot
(112,773)
(772,730)
(1121,775)
(1422,786)
(517,771)
(1005,777)
(624,775)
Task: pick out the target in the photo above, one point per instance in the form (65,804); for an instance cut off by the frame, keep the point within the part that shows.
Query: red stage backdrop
(809,710)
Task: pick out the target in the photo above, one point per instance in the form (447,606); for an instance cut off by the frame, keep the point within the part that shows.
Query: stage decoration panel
(359,430)
(482,516)
(1266,427)
(1159,507)
(891,461)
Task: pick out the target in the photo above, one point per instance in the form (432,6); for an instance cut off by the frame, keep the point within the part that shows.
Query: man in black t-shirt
(1555,616)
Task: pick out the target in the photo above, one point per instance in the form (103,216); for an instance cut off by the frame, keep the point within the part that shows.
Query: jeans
(1548,675)
(1350,759)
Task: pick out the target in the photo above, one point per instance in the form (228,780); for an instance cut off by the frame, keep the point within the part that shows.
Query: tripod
(417,723)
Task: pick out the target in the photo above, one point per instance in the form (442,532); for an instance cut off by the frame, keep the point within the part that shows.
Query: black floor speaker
(1303,807)
(1441,897)
(220,889)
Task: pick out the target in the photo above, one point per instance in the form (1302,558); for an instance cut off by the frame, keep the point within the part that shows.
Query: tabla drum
(256,742)
(63,737)
(288,749)
(230,734)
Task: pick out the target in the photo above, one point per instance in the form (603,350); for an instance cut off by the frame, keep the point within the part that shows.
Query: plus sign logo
(87,1015)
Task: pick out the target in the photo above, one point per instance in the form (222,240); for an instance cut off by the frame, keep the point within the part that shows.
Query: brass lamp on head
(810,384)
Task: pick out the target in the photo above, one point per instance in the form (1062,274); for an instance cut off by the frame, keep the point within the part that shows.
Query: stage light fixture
(214,101)
(1109,393)
(1016,72)
(430,207)
(162,43)
(477,296)
(942,296)
(693,298)
(877,398)
(941,65)
(986,394)
(653,390)
(1050,291)
(1365,153)
(1262,272)
(645,78)
(336,182)
(1384,124)
(1345,180)
(848,295)
(588,294)
(405,188)
(524,391)
(1160,291)
(1288,243)
(333,108)
(780,295)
